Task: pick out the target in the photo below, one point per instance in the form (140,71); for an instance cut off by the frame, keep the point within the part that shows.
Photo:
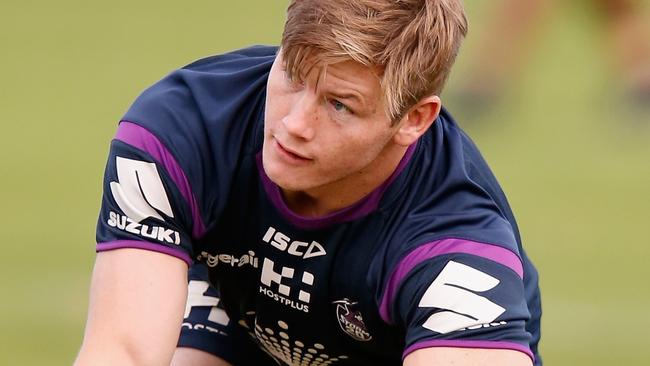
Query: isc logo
(297,248)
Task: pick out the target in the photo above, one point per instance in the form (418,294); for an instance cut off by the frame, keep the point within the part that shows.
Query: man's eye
(340,107)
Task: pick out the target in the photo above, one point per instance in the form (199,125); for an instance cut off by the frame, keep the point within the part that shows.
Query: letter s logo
(196,297)
(140,190)
(452,290)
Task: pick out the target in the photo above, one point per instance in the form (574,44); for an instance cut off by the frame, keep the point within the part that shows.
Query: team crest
(351,321)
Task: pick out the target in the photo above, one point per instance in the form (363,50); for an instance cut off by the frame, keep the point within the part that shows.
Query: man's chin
(280,175)
(288,183)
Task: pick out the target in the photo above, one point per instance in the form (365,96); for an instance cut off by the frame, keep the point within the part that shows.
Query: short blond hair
(412,43)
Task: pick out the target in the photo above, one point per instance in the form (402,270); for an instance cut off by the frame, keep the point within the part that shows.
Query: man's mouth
(291,153)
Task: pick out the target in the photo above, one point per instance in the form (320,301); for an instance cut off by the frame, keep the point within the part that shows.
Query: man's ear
(417,120)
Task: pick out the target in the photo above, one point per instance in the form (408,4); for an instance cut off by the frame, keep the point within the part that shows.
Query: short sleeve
(148,202)
(174,159)
(459,293)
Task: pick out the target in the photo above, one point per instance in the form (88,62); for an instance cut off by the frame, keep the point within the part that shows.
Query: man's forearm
(111,355)
(185,356)
(136,309)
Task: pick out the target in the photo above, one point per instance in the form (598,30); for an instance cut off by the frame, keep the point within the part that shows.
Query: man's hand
(136,307)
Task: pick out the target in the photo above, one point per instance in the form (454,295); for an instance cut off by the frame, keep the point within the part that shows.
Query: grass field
(572,156)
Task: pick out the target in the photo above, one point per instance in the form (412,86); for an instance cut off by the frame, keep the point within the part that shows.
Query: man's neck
(342,193)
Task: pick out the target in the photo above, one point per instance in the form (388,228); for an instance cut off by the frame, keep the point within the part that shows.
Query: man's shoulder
(473,169)
(207,102)
(450,190)
(449,202)
(211,91)
(199,124)
(236,59)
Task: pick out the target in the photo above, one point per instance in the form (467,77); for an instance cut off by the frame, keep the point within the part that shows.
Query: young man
(342,216)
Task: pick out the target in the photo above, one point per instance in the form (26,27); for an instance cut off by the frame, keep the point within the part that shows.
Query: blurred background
(547,99)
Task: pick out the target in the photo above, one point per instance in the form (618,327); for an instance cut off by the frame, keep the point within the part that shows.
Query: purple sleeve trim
(139,137)
(437,248)
(119,244)
(470,344)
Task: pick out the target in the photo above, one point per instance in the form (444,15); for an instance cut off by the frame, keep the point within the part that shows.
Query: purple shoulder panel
(440,247)
(138,137)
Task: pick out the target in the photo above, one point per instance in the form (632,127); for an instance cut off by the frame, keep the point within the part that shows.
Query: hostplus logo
(275,285)
(140,194)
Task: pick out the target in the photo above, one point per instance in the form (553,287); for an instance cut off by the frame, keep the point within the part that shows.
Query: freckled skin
(346,142)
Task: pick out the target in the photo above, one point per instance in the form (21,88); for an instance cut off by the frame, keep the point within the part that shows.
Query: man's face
(324,132)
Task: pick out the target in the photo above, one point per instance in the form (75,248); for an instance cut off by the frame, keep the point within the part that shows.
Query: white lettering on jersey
(140,190)
(152,232)
(452,290)
(297,248)
(270,277)
(196,297)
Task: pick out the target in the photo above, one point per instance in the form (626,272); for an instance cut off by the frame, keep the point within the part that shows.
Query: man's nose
(303,117)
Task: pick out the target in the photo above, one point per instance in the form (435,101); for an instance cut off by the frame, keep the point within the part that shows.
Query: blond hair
(412,43)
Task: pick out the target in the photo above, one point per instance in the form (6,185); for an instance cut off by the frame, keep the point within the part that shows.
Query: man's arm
(136,307)
(462,302)
(185,356)
(448,356)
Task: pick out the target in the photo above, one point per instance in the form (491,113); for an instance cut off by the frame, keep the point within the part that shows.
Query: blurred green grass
(573,159)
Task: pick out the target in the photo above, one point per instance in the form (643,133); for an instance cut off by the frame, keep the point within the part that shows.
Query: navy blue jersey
(430,258)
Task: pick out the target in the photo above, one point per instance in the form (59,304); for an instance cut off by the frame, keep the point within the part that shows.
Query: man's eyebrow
(350,95)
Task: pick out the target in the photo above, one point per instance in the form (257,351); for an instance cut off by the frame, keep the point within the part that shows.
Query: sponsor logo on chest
(274,285)
(294,247)
(288,286)
(237,261)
